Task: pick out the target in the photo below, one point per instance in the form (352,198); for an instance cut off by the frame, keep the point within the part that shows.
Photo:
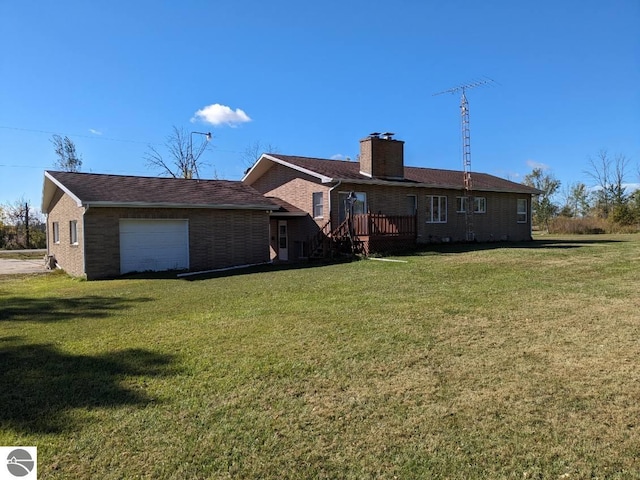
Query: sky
(313,78)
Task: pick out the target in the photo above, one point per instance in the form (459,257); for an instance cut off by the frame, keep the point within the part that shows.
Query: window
(436,209)
(522,210)
(359,207)
(479,204)
(412,204)
(56,232)
(73,231)
(318,205)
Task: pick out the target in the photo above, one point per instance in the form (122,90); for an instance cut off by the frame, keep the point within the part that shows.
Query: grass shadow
(50,309)
(463,247)
(39,384)
(267,268)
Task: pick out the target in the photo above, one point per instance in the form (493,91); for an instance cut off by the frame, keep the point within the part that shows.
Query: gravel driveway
(12,266)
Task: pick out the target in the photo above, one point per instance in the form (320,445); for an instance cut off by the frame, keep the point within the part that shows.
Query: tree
(182,159)
(543,207)
(25,227)
(577,200)
(254,151)
(609,175)
(68,158)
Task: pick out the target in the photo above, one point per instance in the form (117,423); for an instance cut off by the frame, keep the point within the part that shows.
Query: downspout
(84,246)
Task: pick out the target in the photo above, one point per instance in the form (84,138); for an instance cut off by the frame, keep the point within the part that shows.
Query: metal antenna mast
(466,151)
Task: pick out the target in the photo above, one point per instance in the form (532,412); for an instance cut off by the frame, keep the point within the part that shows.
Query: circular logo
(19,463)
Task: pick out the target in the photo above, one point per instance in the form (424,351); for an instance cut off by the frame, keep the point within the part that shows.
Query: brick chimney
(382,157)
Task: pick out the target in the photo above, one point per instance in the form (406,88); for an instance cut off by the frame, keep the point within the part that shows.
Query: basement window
(73,232)
(318,205)
(522,210)
(436,209)
(56,232)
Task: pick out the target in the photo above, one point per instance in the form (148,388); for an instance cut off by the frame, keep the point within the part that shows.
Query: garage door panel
(153,245)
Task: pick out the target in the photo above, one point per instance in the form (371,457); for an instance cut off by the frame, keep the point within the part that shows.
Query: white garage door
(153,245)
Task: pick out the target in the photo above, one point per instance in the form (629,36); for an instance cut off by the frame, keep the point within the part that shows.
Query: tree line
(610,205)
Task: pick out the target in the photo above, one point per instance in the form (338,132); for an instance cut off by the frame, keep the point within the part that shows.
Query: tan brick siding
(63,210)
(498,223)
(217,238)
(297,189)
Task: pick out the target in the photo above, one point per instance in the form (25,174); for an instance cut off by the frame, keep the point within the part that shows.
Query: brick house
(381,204)
(101,226)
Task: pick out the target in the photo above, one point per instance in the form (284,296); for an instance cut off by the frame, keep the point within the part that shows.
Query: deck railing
(373,224)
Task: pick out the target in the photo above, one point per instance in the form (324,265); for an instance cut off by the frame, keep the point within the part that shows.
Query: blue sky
(312,78)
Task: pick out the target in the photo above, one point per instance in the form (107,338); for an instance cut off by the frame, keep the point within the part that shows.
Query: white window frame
(56,232)
(73,232)
(461,204)
(318,204)
(522,214)
(441,202)
(477,202)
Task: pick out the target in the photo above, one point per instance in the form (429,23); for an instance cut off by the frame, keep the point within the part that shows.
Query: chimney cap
(388,135)
(375,134)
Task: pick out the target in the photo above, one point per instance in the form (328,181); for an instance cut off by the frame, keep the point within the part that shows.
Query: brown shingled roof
(99,189)
(437,178)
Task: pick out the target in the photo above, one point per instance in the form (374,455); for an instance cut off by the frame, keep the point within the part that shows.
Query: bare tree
(182,157)
(24,226)
(609,175)
(68,158)
(254,151)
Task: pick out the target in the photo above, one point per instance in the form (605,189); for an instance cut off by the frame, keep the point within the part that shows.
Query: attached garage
(141,224)
(153,245)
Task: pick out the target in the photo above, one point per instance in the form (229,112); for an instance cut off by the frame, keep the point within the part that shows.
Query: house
(285,209)
(379,203)
(102,226)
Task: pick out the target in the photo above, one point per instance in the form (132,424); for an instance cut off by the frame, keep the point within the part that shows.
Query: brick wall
(69,256)
(217,238)
(498,223)
(297,189)
(382,157)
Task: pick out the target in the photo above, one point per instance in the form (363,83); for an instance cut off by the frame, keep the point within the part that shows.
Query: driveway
(13,266)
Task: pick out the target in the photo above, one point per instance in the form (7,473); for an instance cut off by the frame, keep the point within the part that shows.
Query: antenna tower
(466,151)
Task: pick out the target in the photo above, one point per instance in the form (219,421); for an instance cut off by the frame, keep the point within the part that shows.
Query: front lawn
(520,361)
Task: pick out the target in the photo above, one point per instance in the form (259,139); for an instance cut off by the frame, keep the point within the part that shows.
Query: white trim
(264,156)
(58,184)
(429,199)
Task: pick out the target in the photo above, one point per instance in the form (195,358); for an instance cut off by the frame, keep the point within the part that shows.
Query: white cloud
(534,164)
(217,114)
(95,132)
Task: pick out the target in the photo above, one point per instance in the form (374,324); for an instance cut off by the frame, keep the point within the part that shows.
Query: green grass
(520,361)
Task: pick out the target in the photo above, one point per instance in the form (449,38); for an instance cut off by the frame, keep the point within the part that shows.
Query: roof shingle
(437,178)
(92,188)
